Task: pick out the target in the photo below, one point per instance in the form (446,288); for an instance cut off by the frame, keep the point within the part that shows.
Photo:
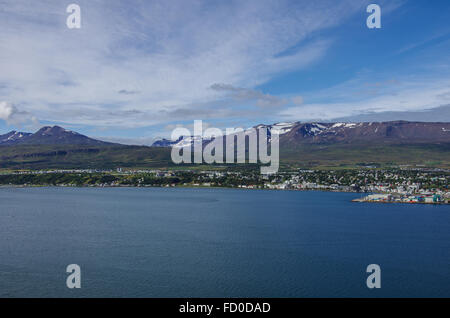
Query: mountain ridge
(49,135)
(291,134)
(305,145)
(297,133)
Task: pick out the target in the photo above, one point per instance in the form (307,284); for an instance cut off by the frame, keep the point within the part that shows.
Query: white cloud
(244,94)
(6,110)
(407,96)
(134,61)
(12,115)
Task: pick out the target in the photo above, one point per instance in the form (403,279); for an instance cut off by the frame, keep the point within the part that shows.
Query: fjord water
(161,242)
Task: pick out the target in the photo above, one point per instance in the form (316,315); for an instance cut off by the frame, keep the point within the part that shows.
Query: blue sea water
(178,242)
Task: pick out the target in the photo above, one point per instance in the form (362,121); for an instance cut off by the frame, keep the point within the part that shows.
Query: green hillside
(76,156)
(351,155)
(305,156)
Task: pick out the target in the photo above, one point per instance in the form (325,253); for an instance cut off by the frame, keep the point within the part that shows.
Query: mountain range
(48,136)
(371,132)
(292,134)
(301,145)
(296,134)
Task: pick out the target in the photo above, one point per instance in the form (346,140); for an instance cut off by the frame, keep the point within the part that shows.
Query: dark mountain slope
(375,133)
(49,136)
(12,137)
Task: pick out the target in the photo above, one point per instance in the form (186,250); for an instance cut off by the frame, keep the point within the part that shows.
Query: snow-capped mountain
(296,133)
(280,128)
(188,141)
(49,135)
(369,132)
(291,134)
(12,137)
(166,142)
(182,142)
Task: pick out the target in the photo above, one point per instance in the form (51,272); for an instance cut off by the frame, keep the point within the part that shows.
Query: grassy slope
(102,157)
(307,156)
(351,155)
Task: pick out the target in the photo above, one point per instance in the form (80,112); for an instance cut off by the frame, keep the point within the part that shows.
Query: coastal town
(418,185)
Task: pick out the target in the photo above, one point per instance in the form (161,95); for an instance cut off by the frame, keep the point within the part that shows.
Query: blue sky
(137,69)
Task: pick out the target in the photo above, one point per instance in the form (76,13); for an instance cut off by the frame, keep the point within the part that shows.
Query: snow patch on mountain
(281,128)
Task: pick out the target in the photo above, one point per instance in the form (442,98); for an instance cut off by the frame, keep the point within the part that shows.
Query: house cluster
(422,198)
(418,186)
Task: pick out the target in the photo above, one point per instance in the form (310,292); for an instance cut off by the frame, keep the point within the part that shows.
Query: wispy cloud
(155,57)
(127,92)
(137,141)
(243,94)
(412,96)
(145,63)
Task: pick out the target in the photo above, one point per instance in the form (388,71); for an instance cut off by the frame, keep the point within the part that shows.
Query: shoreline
(356,200)
(399,202)
(188,187)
